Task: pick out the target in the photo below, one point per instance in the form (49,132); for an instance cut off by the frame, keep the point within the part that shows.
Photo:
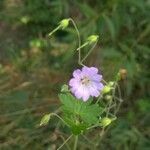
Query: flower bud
(105,121)
(64,23)
(108,97)
(64,88)
(111,83)
(92,38)
(106,89)
(45,120)
(123,74)
(25,19)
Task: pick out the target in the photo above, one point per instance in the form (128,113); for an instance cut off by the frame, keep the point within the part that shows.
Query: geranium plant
(87,100)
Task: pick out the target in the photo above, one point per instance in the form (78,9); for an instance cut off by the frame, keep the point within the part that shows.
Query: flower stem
(75,143)
(85,44)
(79,41)
(89,52)
(64,142)
(54,114)
(57,28)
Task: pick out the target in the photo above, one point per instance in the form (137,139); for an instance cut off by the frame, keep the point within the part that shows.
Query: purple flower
(86,83)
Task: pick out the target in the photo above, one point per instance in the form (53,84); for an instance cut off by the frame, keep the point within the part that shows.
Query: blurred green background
(33,68)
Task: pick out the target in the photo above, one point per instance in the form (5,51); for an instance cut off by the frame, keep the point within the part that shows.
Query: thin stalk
(104,81)
(91,127)
(83,45)
(54,114)
(64,142)
(98,99)
(110,103)
(120,100)
(75,143)
(54,31)
(89,52)
(79,42)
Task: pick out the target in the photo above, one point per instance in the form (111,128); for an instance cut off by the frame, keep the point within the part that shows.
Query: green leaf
(78,114)
(68,101)
(90,112)
(85,110)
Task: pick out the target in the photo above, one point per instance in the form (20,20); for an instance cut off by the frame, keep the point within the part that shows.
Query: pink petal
(94,91)
(85,94)
(98,85)
(77,73)
(96,77)
(73,82)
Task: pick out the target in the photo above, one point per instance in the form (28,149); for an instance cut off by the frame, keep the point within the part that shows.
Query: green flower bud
(108,97)
(45,120)
(106,89)
(111,83)
(92,38)
(65,88)
(25,19)
(64,23)
(105,121)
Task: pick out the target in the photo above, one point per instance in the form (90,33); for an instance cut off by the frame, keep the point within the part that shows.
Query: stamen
(85,81)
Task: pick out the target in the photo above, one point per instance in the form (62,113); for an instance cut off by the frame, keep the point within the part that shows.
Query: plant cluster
(88,101)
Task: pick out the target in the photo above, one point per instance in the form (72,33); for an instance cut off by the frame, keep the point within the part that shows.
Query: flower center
(85,80)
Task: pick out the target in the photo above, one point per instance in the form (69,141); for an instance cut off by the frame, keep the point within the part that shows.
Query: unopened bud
(105,121)
(45,120)
(111,83)
(106,89)
(65,88)
(64,23)
(108,97)
(25,19)
(123,73)
(92,38)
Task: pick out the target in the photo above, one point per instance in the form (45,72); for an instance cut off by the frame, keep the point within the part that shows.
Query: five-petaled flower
(86,82)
